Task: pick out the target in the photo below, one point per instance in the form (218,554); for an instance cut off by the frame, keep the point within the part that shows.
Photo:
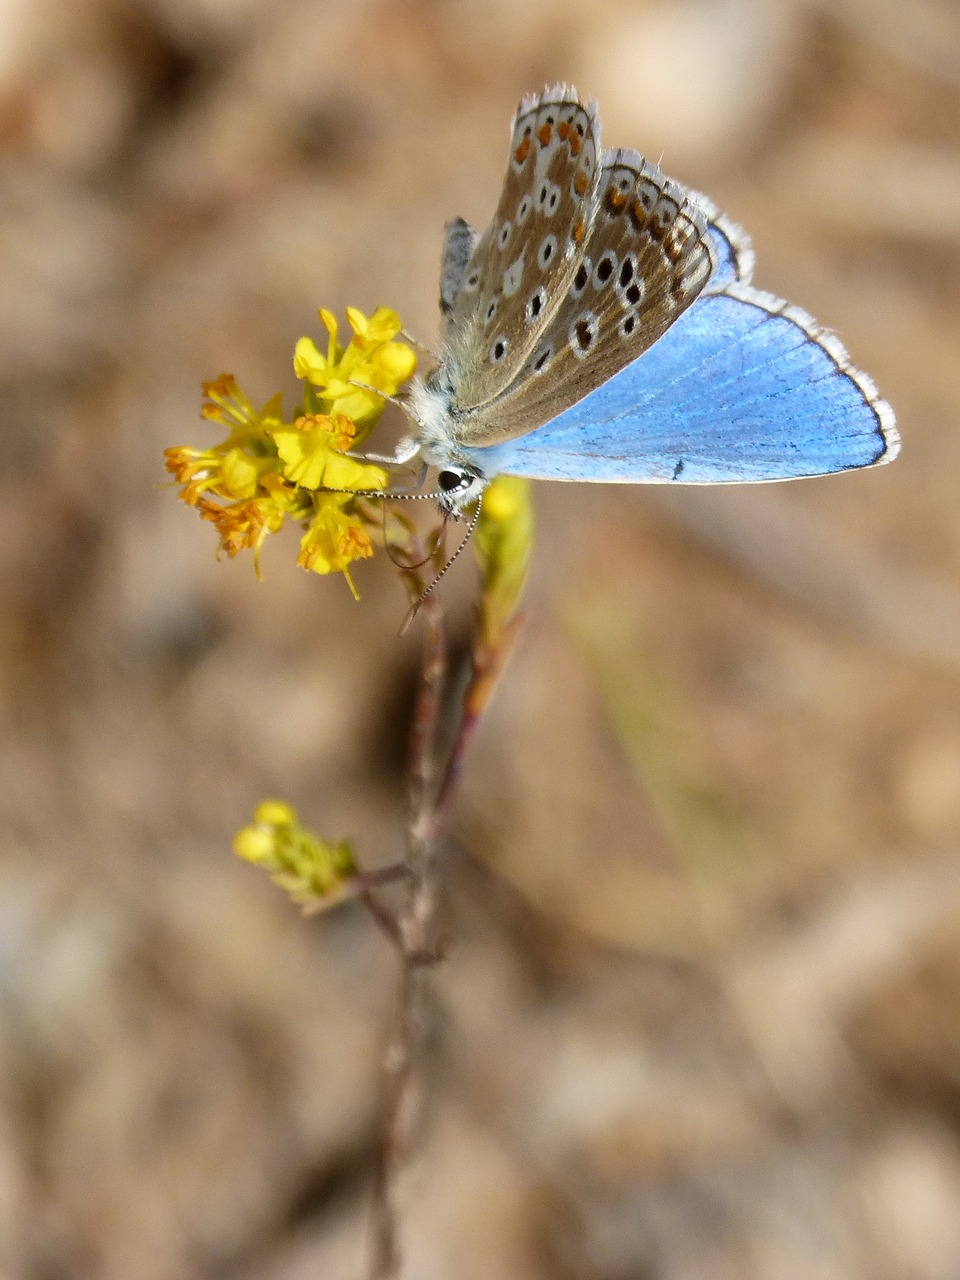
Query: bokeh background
(701,1017)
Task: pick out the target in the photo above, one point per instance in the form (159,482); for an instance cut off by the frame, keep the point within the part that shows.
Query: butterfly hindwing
(742,387)
(459,242)
(733,251)
(647,257)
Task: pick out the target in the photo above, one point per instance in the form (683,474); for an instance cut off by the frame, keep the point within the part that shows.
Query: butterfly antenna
(400,401)
(393,495)
(415,607)
(415,342)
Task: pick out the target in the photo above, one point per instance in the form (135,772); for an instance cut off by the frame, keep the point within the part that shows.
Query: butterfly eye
(451,481)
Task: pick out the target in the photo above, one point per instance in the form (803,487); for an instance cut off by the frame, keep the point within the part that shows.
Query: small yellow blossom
(309,869)
(243,526)
(334,539)
(225,403)
(371,358)
(313,454)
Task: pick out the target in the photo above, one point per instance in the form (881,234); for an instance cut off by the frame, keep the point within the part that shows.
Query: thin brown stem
(415,937)
(416,932)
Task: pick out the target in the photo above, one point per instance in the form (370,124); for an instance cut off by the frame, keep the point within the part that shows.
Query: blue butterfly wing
(743,387)
(732,250)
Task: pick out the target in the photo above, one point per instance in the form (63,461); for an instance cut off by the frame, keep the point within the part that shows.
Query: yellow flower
(372,358)
(267,470)
(334,539)
(243,526)
(225,403)
(312,453)
(230,474)
(308,868)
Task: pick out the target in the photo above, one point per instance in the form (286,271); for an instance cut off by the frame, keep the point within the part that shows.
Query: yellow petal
(347,473)
(254,844)
(397,362)
(304,455)
(275,813)
(383,325)
(239,472)
(309,363)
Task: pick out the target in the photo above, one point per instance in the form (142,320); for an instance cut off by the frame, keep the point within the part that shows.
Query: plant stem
(415,928)
(415,936)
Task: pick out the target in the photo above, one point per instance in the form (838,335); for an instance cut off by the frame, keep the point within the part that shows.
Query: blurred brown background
(701,1020)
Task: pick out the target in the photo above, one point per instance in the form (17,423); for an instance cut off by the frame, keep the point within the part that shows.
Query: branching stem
(415,929)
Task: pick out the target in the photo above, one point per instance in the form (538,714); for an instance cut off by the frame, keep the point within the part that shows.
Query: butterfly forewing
(646,258)
(522,266)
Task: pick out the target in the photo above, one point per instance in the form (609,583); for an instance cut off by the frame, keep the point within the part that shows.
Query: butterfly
(604,328)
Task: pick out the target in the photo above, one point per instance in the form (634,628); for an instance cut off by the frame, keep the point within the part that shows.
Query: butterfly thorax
(431,404)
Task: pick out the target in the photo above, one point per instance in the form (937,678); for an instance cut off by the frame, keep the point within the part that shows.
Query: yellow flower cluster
(306,867)
(269,469)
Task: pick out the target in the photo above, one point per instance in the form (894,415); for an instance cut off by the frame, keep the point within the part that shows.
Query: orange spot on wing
(576,142)
(580,230)
(616,199)
(544,133)
(523,150)
(638,213)
(580,183)
(563,129)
